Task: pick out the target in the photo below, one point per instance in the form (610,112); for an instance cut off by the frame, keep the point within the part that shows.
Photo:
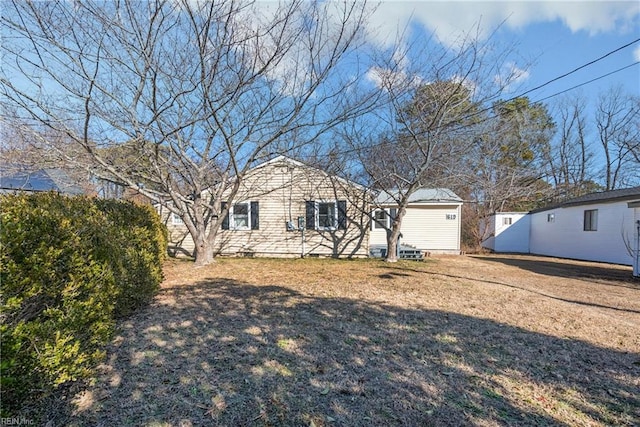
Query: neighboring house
(18,180)
(432,221)
(600,226)
(274,199)
(506,232)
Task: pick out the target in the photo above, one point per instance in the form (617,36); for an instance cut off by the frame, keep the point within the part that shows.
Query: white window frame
(232,217)
(175,219)
(334,225)
(381,223)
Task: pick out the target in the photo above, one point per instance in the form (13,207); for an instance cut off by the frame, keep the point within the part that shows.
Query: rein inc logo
(16,421)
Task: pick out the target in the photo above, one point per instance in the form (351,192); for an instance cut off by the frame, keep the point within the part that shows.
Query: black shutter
(310,216)
(342,214)
(255,221)
(393,212)
(225,220)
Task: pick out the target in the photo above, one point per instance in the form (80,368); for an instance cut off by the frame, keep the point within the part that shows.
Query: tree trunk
(393,236)
(203,253)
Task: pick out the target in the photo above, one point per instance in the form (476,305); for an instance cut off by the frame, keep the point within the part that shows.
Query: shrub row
(68,268)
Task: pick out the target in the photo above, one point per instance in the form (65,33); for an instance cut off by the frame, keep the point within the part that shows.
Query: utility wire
(589,81)
(580,68)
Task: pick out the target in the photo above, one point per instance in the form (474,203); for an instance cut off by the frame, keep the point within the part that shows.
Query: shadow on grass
(519,287)
(597,274)
(227,353)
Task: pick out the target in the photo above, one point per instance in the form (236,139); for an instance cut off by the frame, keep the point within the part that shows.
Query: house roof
(623,194)
(38,180)
(422,195)
(296,163)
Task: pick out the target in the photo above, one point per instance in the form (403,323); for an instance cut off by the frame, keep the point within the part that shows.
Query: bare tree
(618,123)
(198,91)
(570,158)
(429,122)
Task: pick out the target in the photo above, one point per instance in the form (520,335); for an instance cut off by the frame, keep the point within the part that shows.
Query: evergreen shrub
(68,268)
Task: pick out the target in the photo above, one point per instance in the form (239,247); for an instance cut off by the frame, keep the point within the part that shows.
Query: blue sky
(551,38)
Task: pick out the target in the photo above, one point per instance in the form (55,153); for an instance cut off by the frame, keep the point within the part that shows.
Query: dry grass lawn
(471,340)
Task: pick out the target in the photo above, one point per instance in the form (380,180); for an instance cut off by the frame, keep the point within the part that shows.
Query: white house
(603,226)
(595,227)
(507,232)
(635,205)
(432,222)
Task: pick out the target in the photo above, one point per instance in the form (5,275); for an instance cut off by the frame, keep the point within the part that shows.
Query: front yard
(485,340)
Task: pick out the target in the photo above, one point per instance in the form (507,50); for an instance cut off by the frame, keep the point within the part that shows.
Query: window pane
(326,215)
(241,215)
(591,220)
(380,218)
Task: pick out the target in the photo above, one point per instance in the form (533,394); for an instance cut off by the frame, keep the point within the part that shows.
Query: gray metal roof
(422,195)
(598,197)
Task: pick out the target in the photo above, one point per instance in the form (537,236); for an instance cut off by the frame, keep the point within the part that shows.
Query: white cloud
(449,21)
(636,54)
(511,77)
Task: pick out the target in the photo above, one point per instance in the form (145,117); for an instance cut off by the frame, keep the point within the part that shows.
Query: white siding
(426,227)
(509,232)
(566,238)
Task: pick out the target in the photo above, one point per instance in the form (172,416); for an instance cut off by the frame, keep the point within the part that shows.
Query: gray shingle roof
(599,197)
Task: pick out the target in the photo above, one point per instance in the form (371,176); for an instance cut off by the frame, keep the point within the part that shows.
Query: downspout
(636,263)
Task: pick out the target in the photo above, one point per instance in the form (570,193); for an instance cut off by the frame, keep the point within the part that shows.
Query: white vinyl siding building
(591,232)
(506,232)
(602,227)
(432,222)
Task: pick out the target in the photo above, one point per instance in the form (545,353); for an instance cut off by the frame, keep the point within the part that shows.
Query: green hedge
(68,268)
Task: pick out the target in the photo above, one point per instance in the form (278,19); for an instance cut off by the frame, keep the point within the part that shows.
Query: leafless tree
(570,158)
(429,124)
(197,91)
(618,124)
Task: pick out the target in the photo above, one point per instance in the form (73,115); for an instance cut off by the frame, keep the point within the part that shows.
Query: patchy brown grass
(486,340)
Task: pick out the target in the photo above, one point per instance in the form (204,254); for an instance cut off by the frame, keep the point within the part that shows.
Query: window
(551,217)
(591,220)
(242,216)
(175,219)
(506,220)
(326,215)
(380,219)
(451,216)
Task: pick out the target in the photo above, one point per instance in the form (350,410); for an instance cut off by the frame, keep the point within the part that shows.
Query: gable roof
(296,163)
(623,194)
(422,195)
(38,180)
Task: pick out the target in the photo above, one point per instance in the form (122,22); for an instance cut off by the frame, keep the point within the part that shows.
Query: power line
(580,68)
(589,81)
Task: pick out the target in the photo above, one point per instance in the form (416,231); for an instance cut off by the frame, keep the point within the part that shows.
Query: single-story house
(18,179)
(286,209)
(602,226)
(431,224)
